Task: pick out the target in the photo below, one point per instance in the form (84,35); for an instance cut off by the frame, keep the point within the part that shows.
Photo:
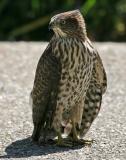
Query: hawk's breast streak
(77,64)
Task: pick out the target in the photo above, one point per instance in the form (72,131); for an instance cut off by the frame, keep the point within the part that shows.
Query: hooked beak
(51,25)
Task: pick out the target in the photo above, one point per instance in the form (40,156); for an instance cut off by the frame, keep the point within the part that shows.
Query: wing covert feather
(45,90)
(100,73)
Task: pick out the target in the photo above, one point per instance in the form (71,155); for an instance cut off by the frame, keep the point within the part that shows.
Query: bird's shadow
(26,148)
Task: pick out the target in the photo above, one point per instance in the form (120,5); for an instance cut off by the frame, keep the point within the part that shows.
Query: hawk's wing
(44,91)
(93,99)
(101,77)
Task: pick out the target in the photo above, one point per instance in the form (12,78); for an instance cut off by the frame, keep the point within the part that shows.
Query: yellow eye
(63,21)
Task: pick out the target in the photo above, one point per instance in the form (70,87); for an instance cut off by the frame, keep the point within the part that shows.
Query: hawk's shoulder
(45,89)
(47,71)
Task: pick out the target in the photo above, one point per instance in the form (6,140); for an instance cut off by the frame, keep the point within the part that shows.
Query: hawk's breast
(77,64)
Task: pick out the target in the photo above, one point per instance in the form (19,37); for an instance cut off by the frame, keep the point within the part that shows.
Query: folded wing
(44,93)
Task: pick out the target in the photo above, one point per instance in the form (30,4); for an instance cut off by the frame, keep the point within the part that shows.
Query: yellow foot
(88,141)
(83,142)
(78,141)
(63,143)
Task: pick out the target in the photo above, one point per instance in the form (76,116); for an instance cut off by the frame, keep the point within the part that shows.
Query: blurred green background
(28,19)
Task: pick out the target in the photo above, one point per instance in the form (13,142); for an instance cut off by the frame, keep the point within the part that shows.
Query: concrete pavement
(17,67)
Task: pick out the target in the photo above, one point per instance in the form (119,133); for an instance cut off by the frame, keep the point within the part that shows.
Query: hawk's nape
(44,92)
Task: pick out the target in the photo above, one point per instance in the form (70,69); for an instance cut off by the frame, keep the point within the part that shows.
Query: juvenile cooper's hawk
(69,81)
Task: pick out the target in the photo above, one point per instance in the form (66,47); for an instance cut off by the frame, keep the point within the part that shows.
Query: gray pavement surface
(17,67)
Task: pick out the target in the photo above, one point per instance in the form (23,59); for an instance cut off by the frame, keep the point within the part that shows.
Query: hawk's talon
(84,142)
(63,143)
(78,141)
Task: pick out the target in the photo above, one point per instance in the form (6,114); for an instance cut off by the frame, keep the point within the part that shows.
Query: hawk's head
(68,24)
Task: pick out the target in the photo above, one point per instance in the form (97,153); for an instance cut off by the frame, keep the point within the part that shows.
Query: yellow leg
(76,140)
(74,132)
(60,139)
(60,142)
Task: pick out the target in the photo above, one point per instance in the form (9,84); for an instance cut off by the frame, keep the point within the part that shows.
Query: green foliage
(28,19)
(87,6)
(35,5)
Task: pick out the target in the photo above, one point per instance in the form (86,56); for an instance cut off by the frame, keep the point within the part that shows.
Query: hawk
(69,82)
